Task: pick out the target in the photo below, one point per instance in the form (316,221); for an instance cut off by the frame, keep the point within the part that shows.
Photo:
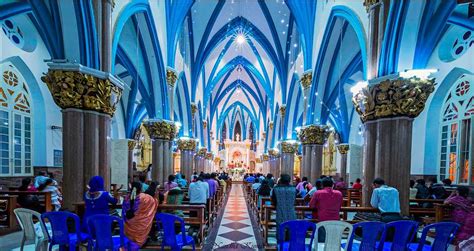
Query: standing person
(148,172)
(171,183)
(357,184)
(387,200)
(97,200)
(326,204)
(463,212)
(138,212)
(283,198)
(56,197)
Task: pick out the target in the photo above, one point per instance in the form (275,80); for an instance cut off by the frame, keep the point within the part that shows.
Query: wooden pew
(44,197)
(11,224)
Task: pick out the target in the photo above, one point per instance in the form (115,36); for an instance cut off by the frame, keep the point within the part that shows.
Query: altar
(238,158)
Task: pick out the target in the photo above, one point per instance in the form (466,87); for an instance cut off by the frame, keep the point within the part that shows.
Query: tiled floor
(235,231)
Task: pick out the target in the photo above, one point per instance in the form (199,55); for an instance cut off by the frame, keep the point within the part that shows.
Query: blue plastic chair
(297,230)
(372,236)
(445,233)
(60,232)
(175,241)
(100,229)
(403,232)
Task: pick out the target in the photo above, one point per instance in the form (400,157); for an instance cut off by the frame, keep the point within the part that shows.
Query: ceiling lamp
(240,38)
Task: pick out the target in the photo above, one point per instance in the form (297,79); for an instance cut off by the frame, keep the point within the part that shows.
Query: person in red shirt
(357,184)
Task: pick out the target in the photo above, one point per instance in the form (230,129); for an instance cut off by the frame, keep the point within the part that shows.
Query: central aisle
(235,231)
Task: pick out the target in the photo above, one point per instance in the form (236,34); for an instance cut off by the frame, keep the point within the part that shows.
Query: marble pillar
(119,162)
(287,160)
(187,146)
(343,149)
(162,133)
(86,123)
(387,108)
(131,147)
(312,137)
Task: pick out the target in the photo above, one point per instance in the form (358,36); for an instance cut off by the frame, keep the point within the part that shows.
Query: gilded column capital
(343,148)
(194,108)
(369,3)
(283,110)
(187,144)
(76,89)
(274,153)
(265,157)
(171,76)
(132,144)
(161,129)
(202,151)
(313,134)
(270,125)
(289,146)
(306,79)
(401,97)
(209,156)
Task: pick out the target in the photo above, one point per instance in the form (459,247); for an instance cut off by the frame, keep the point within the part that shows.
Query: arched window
(15,123)
(457,132)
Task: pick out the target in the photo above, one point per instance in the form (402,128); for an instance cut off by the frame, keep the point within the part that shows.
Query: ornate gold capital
(194,108)
(265,157)
(369,3)
(131,144)
(209,155)
(283,110)
(343,148)
(161,129)
(270,125)
(289,146)
(171,77)
(306,80)
(313,134)
(202,152)
(393,98)
(73,89)
(274,153)
(187,144)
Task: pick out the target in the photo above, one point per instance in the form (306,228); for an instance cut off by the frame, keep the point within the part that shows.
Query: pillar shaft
(287,163)
(316,162)
(305,170)
(368,171)
(187,163)
(344,167)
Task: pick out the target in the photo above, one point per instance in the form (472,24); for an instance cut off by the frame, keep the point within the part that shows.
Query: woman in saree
(138,211)
(463,212)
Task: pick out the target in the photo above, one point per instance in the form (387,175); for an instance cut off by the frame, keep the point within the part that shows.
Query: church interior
(240,124)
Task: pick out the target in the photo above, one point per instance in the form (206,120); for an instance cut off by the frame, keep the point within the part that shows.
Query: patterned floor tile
(235,235)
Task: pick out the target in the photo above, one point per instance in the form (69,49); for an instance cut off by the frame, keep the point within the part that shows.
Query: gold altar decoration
(306,80)
(171,76)
(313,134)
(187,144)
(209,155)
(72,89)
(131,144)
(393,98)
(202,152)
(289,146)
(274,153)
(343,148)
(265,157)
(283,110)
(329,156)
(369,3)
(144,146)
(161,129)
(194,108)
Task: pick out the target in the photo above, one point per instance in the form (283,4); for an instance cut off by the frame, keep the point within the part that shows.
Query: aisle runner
(235,231)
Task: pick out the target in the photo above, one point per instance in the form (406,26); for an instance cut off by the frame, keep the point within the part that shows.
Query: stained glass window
(15,124)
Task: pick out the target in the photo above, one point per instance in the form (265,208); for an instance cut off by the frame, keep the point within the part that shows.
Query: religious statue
(237,137)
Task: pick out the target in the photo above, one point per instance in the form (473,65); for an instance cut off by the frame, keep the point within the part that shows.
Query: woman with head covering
(138,211)
(463,212)
(97,199)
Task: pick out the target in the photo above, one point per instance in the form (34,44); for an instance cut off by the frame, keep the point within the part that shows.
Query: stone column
(187,146)
(209,158)
(343,150)
(131,147)
(265,164)
(161,132)
(275,162)
(88,98)
(305,81)
(171,77)
(287,159)
(313,137)
(200,160)
(387,109)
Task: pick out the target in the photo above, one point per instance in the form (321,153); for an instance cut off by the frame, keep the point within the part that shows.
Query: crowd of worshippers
(326,199)
(139,206)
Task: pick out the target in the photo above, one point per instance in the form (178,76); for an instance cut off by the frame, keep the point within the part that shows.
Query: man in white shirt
(386,199)
(198,192)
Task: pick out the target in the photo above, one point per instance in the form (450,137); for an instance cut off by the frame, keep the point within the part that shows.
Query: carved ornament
(202,152)
(193,108)
(369,3)
(187,144)
(274,153)
(313,134)
(131,144)
(306,80)
(289,146)
(343,148)
(171,77)
(161,129)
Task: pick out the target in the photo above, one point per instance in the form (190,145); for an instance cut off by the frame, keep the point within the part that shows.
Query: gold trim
(171,77)
(289,147)
(313,134)
(274,153)
(393,98)
(306,80)
(187,144)
(202,152)
(343,148)
(161,129)
(283,110)
(131,144)
(72,89)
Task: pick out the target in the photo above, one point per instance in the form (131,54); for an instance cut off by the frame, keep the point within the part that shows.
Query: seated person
(463,212)
(138,212)
(357,184)
(256,184)
(142,179)
(340,185)
(299,186)
(171,183)
(29,201)
(263,191)
(56,196)
(437,190)
(41,178)
(175,197)
(181,180)
(387,200)
(250,179)
(97,200)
